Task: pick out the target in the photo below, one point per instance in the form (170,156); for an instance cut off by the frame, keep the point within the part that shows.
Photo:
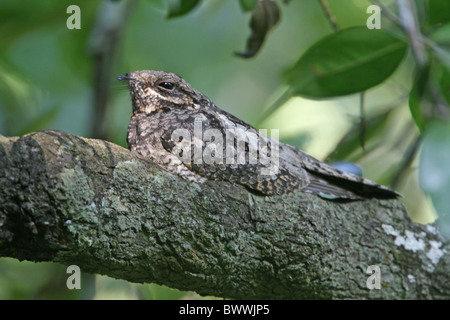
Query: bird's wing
(209,157)
(254,170)
(333,182)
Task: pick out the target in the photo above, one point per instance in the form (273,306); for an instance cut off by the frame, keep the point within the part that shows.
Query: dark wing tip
(334,188)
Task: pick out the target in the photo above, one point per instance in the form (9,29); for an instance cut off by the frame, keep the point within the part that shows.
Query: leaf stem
(329,14)
(362,121)
(408,158)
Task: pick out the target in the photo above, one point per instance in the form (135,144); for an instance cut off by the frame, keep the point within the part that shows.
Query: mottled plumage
(164,103)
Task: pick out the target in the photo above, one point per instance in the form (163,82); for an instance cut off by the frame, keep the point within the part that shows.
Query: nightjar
(184,132)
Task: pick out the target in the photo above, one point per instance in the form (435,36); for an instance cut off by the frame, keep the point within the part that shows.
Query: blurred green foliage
(47,77)
(346,62)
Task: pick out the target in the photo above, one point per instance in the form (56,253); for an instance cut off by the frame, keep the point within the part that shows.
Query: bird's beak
(125,76)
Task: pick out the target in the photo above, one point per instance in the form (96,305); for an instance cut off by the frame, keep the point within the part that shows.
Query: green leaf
(180,7)
(434,165)
(247,5)
(265,16)
(444,84)
(431,91)
(441,35)
(418,101)
(438,11)
(441,50)
(346,62)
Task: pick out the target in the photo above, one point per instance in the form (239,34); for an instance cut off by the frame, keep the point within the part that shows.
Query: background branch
(103,43)
(387,12)
(329,14)
(411,26)
(89,202)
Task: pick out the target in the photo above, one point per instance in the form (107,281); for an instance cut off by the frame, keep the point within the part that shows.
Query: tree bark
(91,203)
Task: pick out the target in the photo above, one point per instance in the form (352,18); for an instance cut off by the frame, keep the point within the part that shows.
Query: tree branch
(91,203)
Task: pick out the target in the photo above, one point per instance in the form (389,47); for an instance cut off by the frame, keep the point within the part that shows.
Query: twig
(330,16)
(278,103)
(408,158)
(288,94)
(410,25)
(362,122)
(387,12)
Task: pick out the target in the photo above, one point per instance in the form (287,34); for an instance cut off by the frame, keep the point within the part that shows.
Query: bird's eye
(166,85)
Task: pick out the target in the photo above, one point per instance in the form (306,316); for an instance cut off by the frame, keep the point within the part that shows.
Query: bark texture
(72,200)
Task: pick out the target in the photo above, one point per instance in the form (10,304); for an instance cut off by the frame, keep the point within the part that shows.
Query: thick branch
(91,203)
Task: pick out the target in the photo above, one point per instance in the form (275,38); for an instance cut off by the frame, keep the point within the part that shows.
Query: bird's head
(160,91)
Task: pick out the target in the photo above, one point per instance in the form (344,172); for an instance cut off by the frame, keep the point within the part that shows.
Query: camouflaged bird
(180,129)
